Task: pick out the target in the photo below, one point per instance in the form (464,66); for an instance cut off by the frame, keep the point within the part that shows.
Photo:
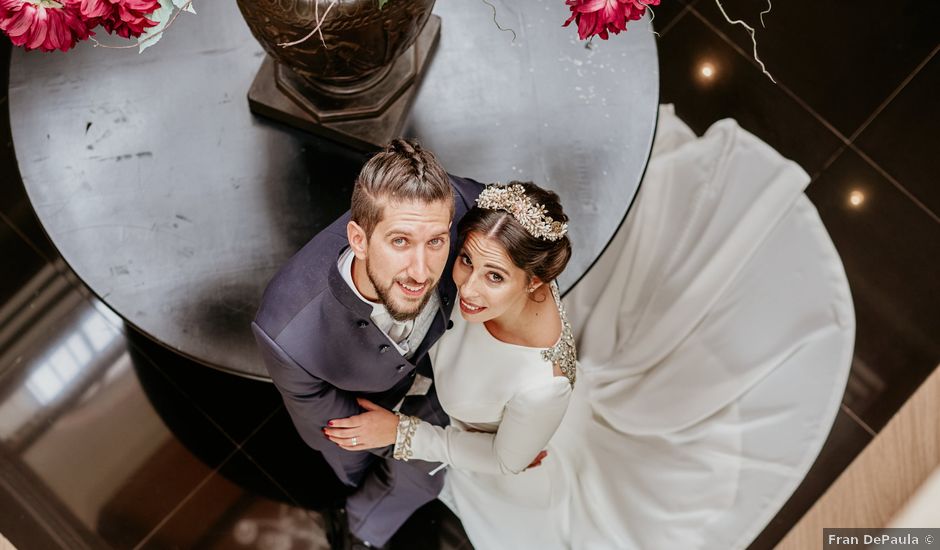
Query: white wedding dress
(714,341)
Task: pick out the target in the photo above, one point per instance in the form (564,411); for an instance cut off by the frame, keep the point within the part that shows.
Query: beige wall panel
(883,477)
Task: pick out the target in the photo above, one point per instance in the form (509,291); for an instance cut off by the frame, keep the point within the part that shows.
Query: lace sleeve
(564,353)
(529,421)
(407,425)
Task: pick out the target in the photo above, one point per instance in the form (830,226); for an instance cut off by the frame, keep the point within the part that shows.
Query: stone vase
(360,61)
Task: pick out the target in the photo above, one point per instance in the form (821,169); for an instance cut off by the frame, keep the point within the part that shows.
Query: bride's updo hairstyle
(539,257)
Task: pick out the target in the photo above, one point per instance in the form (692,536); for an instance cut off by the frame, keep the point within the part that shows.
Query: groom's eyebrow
(409,233)
(398,231)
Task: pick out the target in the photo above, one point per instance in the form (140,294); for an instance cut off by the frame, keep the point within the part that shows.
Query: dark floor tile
(904,139)
(846,440)
(433,526)
(889,247)
(277,449)
(736,89)
(237,405)
(10,192)
(14,205)
(33,517)
(22,217)
(223,515)
(146,499)
(90,425)
(665,14)
(20,262)
(843,58)
(184,418)
(865,386)
(242,470)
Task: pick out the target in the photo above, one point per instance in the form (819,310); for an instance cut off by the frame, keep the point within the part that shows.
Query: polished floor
(108,441)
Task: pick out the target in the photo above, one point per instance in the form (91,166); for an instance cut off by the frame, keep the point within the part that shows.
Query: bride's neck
(514,325)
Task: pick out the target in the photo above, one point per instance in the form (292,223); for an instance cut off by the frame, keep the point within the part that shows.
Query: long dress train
(715,337)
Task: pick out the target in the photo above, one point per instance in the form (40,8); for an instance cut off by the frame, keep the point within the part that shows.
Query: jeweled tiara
(531,216)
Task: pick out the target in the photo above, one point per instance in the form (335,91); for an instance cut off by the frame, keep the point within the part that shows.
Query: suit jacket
(322,349)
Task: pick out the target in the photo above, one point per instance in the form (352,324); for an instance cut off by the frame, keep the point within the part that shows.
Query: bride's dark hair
(537,257)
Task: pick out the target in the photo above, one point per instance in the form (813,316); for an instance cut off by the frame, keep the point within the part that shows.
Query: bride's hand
(372,429)
(538,460)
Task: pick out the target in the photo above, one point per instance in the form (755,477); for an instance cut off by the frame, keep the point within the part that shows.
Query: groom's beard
(399,311)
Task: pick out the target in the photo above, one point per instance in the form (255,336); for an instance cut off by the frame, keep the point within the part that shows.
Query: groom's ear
(358,240)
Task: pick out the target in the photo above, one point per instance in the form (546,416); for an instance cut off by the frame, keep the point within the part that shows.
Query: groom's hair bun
(402,171)
(537,257)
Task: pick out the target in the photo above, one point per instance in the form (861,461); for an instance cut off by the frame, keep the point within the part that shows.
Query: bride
(645,440)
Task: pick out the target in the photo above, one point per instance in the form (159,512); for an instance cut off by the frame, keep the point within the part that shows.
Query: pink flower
(44,24)
(597,17)
(125,17)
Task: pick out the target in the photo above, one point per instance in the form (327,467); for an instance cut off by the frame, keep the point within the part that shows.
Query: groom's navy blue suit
(322,351)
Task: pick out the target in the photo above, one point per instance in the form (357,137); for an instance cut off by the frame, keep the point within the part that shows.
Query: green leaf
(161,15)
(180,3)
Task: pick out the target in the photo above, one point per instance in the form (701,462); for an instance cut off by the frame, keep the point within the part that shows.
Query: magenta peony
(597,17)
(125,18)
(47,25)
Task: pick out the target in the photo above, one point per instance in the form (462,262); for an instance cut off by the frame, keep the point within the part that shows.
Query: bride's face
(490,284)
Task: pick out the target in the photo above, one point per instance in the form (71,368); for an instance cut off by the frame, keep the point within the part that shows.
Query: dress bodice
(476,374)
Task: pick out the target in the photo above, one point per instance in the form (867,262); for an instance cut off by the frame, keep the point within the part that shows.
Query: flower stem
(769,7)
(316,29)
(498,26)
(750,31)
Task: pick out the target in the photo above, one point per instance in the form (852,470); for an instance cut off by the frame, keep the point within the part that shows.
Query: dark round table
(175,205)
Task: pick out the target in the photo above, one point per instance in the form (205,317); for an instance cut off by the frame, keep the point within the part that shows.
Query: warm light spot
(856,198)
(707,70)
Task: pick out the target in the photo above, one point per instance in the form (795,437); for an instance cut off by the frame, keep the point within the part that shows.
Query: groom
(355,312)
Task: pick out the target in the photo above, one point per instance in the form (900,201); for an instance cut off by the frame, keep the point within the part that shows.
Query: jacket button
(400,368)
(383,348)
(450,325)
(362,323)
(446,300)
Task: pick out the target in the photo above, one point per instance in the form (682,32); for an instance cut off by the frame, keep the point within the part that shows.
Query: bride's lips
(469,308)
(412,290)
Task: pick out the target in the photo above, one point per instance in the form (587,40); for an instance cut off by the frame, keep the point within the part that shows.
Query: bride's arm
(529,420)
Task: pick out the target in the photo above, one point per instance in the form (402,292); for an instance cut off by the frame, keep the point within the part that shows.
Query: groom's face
(406,254)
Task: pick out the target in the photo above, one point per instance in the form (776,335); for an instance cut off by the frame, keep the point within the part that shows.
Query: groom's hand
(372,429)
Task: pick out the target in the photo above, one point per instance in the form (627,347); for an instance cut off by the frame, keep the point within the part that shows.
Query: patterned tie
(400,331)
